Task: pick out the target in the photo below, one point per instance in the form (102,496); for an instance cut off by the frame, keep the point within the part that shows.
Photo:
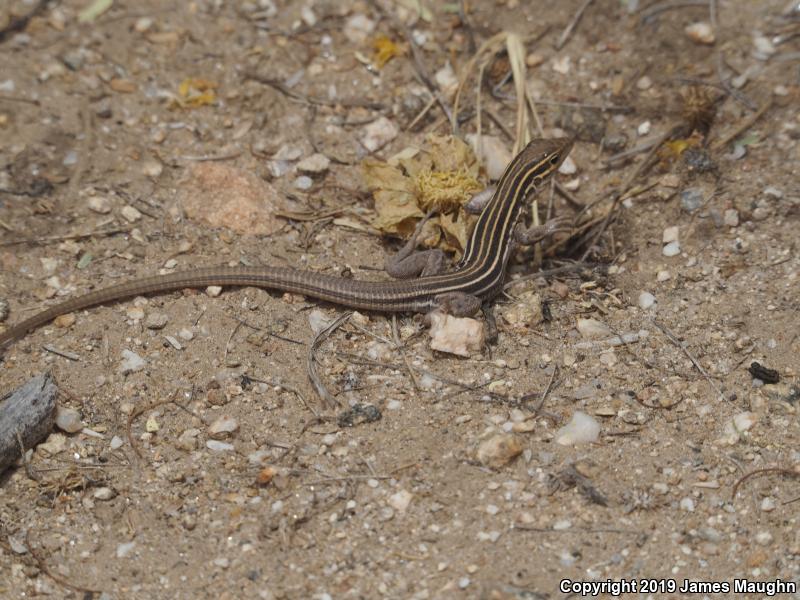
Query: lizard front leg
(536,233)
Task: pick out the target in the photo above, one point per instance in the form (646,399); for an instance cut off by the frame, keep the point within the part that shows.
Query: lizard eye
(554,159)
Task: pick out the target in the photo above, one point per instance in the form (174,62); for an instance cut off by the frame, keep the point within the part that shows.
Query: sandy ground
(157,498)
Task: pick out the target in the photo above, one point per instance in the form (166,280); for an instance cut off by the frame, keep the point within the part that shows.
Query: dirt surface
(155,500)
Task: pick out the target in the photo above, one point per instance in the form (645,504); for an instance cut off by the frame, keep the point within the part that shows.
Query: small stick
(657,9)
(64,353)
(567,33)
(757,472)
(671,337)
(603,107)
(311,361)
(744,126)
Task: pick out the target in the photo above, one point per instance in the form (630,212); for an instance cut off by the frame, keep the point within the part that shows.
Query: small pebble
(687,504)
(671,249)
(156,320)
(68,419)
(764,538)
(218,446)
(731,217)
(533,60)
(223,425)
(213,291)
(379,133)
(764,48)
(456,335)
(670,234)
(498,450)
(130,214)
(104,493)
(644,128)
(663,276)
(358,28)
(123,550)
(768,504)
(562,65)
(700,33)
(646,300)
(99,204)
(644,83)
(304,182)
(116,443)
(592,328)
(400,500)
(316,163)
(691,199)
(568,167)
(743,421)
(581,429)
(131,362)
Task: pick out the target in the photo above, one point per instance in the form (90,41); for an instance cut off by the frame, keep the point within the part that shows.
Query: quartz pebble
(670,234)
(99,204)
(568,167)
(646,300)
(581,429)
(131,362)
(671,249)
(379,133)
(223,426)
(731,217)
(316,163)
(592,328)
(456,335)
(156,320)
(217,446)
(68,419)
(399,501)
(358,28)
(700,33)
(130,214)
(644,128)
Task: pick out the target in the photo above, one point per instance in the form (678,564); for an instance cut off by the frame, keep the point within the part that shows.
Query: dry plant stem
(603,107)
(672,338)
(546,273)
(422,73)
(399,347)
(743,126)
(42,564)
(63,238)
(728,88)
(280,87)
(758,472)
(657,9)
(311,361)
(570,28)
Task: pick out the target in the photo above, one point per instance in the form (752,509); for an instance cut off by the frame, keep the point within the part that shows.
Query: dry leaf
(441,176)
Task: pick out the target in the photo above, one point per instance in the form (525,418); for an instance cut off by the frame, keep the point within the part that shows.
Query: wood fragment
(26,417)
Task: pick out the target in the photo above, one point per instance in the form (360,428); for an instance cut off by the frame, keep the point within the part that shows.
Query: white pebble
(218,446)
(123,550)
(316,163)
(670,234)
(213,291)
(700,33)
(582,429)
(764,538)
(304,182)
(663,276)
(592,328)
(671,249)
(644,128)
(130,214)
(379,133)
(646,300)
(568,167)
(400,500)
(768,504)
(687,504)
(131,362)
(68,419)
(731,217)
(562,65)
(358,28)
(116,443)
(223,424)
(743,421)
(99,204)
(456,335)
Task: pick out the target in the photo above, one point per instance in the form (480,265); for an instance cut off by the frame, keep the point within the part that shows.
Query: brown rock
(224,196)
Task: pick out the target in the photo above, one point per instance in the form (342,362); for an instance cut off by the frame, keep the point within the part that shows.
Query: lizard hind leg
(410,262)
